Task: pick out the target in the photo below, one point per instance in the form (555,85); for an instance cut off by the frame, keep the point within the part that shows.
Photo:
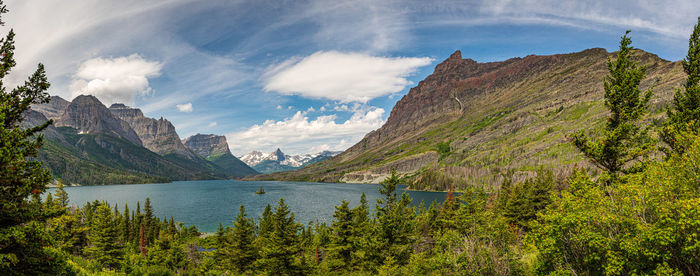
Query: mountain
(475,123)
(277,161)
(215,149)
(53,109)
(88,115)
(91,145)
(159,136)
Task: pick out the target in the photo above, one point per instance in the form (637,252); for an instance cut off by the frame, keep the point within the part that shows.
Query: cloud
(278,107)
(113,80)
(345,77)
(301,134)
(212,124)
(184,107)
(671,20)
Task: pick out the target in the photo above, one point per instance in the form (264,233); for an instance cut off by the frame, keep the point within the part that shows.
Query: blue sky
(304,76)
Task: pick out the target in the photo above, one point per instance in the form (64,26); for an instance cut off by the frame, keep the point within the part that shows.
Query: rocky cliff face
(158,136)
(215,149)
(207,144)
(88,115)
(34,118)
(53,109)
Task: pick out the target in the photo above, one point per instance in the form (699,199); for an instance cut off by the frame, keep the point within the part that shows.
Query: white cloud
(300,134)
(322,109)
(184,107)
(311,109)
(114,80)
(278,107)
(212,124)
(345,77)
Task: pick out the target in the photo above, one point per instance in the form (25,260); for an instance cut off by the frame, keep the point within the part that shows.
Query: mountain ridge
(494,119)
(90,144)
(279,161)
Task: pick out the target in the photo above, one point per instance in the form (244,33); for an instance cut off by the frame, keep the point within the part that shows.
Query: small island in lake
(261,191)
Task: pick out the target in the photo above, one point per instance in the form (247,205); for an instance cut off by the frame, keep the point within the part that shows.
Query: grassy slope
(514,128)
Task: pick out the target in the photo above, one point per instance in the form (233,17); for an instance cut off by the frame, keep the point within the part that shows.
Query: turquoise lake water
(206,203)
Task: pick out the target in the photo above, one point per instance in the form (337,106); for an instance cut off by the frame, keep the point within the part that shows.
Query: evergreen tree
(243,251)
(172,229)
(623,140)
(148,222)
(223,247)
(126,225)
(23,249)
(394,221)
(103,239)
(61,195)
(166,253)
(684,115)
(281,248)
(340,249)
(136,226)
(266,222)
(362,233)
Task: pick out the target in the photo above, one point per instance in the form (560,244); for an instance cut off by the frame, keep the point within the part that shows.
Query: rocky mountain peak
(88,115)
(279,155)
(207,144)
(53,109)
(456,55)
(159,136)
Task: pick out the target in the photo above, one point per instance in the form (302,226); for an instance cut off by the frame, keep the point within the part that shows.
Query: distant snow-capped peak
(256,157)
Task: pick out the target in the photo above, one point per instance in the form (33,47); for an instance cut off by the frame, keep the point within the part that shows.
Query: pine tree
(243,252)
(223,247)
(266,222)
(126,225)
(394,221)
(281,248)
(684,115)
(103,239)
(623,141)
(148,221)
(172,229)
(362,234)
(136,225)
(61,195)
(23,240)
(340,249)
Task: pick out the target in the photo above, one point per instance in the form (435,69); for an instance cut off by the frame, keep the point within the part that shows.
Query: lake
(206,203)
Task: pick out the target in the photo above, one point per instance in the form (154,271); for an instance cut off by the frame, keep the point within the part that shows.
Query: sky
(303,76)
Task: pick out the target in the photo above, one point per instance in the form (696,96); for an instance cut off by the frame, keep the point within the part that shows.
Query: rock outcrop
(159,136)
(215,149)
(88,115)
(207,144)
(53,109)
